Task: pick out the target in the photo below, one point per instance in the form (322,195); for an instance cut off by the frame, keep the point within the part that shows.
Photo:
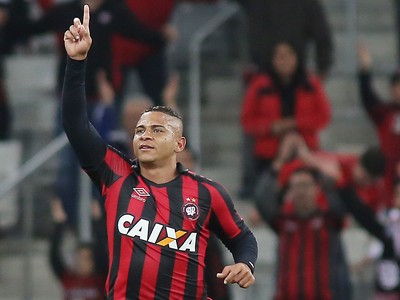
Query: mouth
(145,147)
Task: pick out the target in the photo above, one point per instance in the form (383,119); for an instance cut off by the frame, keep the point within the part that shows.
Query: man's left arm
(244,251)
(236,236)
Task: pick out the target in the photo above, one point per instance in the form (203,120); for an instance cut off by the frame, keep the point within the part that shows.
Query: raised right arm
(370,99)
(87,143)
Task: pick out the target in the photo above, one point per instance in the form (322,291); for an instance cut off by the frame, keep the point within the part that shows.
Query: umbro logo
(140,194)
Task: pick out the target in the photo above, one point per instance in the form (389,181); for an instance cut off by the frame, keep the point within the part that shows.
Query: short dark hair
(164,109)
(373,161)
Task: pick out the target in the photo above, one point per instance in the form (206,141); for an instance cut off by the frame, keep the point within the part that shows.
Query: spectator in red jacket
(284,99)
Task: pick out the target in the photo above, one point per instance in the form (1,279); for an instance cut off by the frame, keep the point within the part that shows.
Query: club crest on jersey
(190,209)
(157,234)
(140,194)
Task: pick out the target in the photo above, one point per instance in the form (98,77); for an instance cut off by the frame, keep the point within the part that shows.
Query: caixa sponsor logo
(157,234)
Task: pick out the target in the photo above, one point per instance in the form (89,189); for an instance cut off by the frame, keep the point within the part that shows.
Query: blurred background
(208,64)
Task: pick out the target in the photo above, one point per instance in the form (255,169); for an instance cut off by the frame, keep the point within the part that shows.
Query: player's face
(284,60)
(303,192)
(158,137)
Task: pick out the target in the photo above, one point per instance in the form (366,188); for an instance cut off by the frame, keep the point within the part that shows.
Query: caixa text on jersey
(158,234)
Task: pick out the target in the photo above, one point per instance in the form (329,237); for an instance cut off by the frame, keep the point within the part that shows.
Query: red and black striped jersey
(311,262)
(157,233)
(311,258)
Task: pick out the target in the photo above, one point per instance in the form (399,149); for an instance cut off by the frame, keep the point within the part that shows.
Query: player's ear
(180,144)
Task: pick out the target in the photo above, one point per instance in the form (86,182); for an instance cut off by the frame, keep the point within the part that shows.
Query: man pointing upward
(159,214)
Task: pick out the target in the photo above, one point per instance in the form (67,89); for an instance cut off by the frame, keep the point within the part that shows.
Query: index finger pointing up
(86,16)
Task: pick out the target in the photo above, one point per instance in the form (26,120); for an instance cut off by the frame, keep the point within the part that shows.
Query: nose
(146,135)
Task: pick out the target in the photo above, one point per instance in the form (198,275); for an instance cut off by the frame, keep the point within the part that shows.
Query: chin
(146,160)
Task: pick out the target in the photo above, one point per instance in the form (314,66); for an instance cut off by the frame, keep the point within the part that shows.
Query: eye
(158,130)
(139,131)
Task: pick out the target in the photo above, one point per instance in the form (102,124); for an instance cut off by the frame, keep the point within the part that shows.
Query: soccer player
(159,215)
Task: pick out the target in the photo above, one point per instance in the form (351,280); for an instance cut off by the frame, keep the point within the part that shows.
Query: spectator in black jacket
(299,21)
(385,116)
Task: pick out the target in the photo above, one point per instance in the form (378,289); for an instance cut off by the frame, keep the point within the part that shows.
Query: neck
(159,174)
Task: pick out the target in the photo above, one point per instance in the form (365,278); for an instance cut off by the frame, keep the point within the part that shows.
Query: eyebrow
(151,126)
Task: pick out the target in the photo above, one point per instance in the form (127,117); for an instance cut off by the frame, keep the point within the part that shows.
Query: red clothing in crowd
(46,4)
(262,106)
(386,118)
(310,259)
(372,194)
(153,13)
(308,254)
(85,288)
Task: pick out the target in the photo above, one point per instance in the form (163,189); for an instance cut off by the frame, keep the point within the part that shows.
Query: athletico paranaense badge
(190,209)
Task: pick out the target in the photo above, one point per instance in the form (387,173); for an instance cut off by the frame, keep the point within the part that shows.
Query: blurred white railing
(20,179)
(227,11)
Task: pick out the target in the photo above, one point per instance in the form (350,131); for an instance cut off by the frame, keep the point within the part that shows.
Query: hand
(303,152)
(364,57)
(361,265)
(57,210)
(282,126)
(288,147)
(170,33)
(97,213)
(105,89)
(326,164)
(170,93)
(3,17)
(239,273)
(77,40)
